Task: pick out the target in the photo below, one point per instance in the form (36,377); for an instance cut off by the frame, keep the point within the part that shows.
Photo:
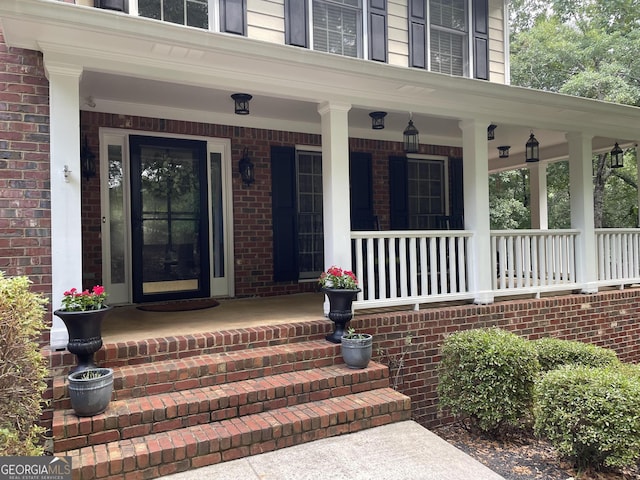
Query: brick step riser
(125,419)
(202,445)
(204,371)
(122,354)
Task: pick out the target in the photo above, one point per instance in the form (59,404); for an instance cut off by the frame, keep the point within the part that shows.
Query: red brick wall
(251,206)
(25,219)
(609,319)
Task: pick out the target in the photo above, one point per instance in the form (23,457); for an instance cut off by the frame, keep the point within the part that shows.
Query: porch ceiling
(139,66)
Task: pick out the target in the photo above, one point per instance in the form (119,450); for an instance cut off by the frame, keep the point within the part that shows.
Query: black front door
(170,232)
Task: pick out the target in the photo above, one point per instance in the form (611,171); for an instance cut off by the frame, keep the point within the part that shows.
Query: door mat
(180,305)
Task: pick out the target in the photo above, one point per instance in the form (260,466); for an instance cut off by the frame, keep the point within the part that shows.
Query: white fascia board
(118,43)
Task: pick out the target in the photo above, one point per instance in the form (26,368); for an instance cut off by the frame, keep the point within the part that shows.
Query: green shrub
(591,415)
(554,353)
(22,368)
(486,378)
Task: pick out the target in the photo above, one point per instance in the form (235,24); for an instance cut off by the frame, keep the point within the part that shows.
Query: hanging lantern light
(411,138)
(617,157)
(532,149)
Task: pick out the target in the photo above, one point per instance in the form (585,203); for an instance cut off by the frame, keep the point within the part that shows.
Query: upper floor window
(353,28)
(218,15)
(450,36)
(337,27)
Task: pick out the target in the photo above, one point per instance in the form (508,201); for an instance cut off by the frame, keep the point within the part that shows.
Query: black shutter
(481,39)
(398,193)
(361,191)
(417,33)
(378,30)
(285,228)
(233,16)
(456,195)
(296,22)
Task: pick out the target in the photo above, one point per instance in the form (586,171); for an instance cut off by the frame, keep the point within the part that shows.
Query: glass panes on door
(310,232)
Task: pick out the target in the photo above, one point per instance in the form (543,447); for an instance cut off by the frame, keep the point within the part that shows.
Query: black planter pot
(85,335)
(340,310)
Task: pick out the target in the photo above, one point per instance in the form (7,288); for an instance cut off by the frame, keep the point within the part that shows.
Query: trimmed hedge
(22,367)
(554,353)
(486,378)
(591,415)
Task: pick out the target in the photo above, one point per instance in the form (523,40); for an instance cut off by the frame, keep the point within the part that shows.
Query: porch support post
(538,190)
(335,184)
(476,207)
(66,222)
(581,191)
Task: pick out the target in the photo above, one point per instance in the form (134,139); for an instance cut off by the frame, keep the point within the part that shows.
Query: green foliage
(486,378)
(509,200)
(22,368)
(591,415)
(554,353)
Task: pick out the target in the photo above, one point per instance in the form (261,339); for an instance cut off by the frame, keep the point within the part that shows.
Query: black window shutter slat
(285,228)
(398,193)
(361,191)
(481,39)
(296,23)
(417,34)
(456,195)
(233,16)
(378,30)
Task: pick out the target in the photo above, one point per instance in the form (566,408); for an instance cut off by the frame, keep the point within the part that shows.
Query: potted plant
(90,390)
(356,348)
(82,314)
(341,287)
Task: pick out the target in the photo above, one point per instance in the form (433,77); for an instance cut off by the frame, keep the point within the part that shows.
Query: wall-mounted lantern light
(411,137)
(491,132)
(246,169)
(504,151)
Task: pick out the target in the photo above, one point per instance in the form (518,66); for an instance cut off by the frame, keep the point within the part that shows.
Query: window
(449,36)
(309,201)
(337,27)
(193,13)
(230,16)
(426,182)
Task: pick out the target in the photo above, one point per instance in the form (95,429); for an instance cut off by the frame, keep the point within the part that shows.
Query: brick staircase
(194,404)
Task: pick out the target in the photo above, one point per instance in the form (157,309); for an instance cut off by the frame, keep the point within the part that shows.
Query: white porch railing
(410,267)
(533,261)
(618,256)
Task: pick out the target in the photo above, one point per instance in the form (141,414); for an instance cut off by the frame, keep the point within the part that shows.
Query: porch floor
(128,323)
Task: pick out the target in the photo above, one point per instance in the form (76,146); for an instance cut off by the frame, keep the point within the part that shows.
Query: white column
(538,191)
(335,184)
(581,191)
(476,207)
(66,224)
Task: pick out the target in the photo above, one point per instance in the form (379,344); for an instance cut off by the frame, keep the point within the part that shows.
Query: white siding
(265,20)
(496,41)
(398,33)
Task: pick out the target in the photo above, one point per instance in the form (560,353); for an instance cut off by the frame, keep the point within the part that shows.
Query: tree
(591,49)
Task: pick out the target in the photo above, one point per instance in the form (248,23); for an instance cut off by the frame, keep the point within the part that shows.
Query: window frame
(443,164)
(213,14)
(363,27)
(467,39)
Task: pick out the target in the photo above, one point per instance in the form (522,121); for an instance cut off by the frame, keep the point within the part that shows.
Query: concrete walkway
(400,451)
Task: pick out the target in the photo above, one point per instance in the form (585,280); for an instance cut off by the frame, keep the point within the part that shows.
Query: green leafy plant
(338,278)
(591,415)
(75,301)
(351,334)
(486,378)
(554,353)
(22,367)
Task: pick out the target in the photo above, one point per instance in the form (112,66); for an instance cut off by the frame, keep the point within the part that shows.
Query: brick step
(143,380)
(177,409)
(168,452)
